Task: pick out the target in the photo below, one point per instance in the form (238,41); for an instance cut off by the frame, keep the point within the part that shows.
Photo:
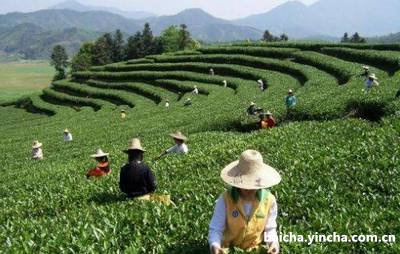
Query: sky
(228,9)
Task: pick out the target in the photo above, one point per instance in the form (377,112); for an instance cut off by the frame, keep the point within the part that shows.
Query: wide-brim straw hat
(37,144)
(250,172)
(178,135)
(373,76)
(259,81)
(268,113)
(252,103)
(290,91)
(135,145)
(99,153)
(365,67)
(66,131)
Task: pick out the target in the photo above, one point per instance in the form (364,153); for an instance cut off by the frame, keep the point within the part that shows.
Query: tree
(102,50)
(134,46)
(284,37)
(118,46)
(184,37)
(83,60)
(356,38)
(147,40)
(59,59)
(268,36)
(345,38)
(170,39)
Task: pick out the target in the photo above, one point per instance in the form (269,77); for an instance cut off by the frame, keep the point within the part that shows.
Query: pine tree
(345,38)
(134,47)
(118,46)
(184,37)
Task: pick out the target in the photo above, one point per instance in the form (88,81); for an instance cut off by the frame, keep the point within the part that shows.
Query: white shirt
(37,153)
(178,149)
(68,137)
(196,91)
(218,222)
(167,104)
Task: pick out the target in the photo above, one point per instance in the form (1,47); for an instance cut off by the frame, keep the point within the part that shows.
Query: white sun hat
(250,172)
(135,145)
(99,153)
(373,76)
(36,144)
(365,67)
(178,135)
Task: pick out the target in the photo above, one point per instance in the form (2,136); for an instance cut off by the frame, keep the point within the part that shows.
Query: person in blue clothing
(290,99)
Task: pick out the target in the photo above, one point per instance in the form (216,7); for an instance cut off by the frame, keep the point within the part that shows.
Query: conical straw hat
(373,76)
(99,153)
(250,172)
(36,144)
(135,145)
(178,135)
(365,67)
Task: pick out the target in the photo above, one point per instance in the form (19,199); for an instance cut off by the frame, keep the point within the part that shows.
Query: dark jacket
(136,179)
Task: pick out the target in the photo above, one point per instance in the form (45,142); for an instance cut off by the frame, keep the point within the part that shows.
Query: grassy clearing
(23,78)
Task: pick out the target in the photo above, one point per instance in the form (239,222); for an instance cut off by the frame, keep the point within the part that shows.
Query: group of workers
(266,118)
(245,214)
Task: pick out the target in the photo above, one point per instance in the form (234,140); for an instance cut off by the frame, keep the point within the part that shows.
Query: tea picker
(179,147)
(67,135)
(103,166)
(247,208)
(37,152)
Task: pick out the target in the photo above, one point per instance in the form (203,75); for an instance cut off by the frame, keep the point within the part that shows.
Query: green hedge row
(142,89)
(318,46)
(115,97)
(280,53)
(231,70)
(388,60)
(180,86)
(55,97)
(153,75)
(293,69)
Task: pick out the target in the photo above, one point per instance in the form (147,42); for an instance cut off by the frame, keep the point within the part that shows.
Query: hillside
(204,26)
(337,149)
(329,18)
(391,38)
(77,6)
(33,42)
(97,21)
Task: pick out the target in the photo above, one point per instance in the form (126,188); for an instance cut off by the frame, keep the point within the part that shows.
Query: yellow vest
(245,233)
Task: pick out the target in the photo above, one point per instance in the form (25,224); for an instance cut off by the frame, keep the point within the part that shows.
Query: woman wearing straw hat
(370,82)
(179,147)
(37,153)
(225,83)
(136,178)
(67,135)
(212,72)
(103,166)
(267,121)
(247,210)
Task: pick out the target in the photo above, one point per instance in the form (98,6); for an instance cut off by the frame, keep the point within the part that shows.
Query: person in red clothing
(267,121)
(103,166)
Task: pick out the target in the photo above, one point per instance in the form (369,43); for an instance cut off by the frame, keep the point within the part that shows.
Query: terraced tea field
(337,150)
